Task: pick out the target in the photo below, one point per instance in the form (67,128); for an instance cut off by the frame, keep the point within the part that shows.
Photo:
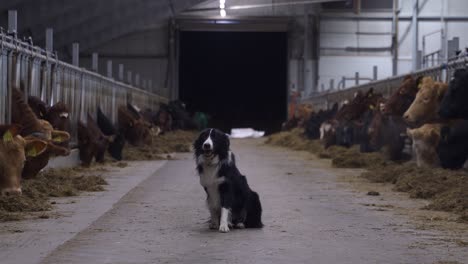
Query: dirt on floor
(37,192)
(446,189)
(161,146)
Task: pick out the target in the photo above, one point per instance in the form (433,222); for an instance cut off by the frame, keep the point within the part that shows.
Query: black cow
(116,146)
(180,117)
(453,145)
(312,128)
(454,104)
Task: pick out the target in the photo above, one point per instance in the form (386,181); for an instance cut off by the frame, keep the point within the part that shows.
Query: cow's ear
(59,136)
(35,147)
(10,132)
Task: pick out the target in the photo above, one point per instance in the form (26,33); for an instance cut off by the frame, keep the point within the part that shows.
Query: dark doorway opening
(238,78)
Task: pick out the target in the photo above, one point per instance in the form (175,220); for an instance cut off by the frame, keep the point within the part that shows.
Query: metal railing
(386,86)
(45,76)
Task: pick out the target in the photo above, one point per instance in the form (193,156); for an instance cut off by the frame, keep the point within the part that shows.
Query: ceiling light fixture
(222,6)
(222,12)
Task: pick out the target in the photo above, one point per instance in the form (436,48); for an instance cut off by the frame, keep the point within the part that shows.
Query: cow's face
(399,102)
(426,104)
(13,152)
(116,146)
(454,103)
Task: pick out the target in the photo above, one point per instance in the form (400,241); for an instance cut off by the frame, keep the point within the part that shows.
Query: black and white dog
(230,200)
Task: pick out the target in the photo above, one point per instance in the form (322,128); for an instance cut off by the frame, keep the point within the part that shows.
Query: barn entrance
(238,78)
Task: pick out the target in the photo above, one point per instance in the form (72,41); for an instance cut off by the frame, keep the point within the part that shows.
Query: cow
(55,139)
(164,119)
(92,143)
(34,128)
(350,118)
(313,125)
(180,117)
(14,150)
(403,97)
(425,141)
(388,132)
(37,106)
(425,106)
(452,149)
(116,146)
(454,103)
(59,117)
(136,132)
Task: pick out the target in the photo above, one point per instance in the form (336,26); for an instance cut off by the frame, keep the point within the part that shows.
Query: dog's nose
(206,146)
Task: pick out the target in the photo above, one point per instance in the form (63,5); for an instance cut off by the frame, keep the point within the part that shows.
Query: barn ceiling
(93,23)
(90,22)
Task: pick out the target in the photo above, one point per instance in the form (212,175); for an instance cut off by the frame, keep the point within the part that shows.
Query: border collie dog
(230,200)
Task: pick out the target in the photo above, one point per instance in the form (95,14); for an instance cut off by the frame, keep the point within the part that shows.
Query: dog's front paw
(214,225)
(223,228)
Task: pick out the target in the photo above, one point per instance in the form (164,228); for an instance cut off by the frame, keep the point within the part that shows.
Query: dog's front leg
(226,202)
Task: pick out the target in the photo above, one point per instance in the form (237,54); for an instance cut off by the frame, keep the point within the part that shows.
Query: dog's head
(211,143)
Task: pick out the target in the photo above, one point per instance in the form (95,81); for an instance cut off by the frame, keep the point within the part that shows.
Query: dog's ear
(227,140)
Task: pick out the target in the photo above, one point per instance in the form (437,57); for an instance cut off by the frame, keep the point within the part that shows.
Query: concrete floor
(310,216)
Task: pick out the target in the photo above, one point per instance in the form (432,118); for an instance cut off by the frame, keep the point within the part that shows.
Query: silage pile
(162,145)
(341,157)
(51,183)
(447,190)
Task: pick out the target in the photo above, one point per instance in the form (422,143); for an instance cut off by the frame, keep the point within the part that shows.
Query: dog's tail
(254,211)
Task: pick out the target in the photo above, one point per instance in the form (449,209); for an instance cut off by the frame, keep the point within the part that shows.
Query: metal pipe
(415,32)
(395,45)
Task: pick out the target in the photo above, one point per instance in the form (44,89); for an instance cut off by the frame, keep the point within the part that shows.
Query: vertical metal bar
(137,80)
(356,78)
(332,84)
(95,62)
(12,22)
(375,72)
(395,44)
(415,32)
(76,54)
(109,68)
(49,40)
(129,77)
(121,72)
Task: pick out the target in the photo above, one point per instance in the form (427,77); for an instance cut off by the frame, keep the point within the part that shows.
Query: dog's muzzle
(207,150)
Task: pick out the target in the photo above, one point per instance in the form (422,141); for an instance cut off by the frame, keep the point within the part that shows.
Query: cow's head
(59,117)
(14,150)
(86,144)
(454,103)
(426,104)
(402,98)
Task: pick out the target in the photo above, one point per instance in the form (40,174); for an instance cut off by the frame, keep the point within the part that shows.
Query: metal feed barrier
(44,76)
(386,86)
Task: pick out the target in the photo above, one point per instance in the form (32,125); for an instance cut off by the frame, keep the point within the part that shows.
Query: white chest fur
(210,181)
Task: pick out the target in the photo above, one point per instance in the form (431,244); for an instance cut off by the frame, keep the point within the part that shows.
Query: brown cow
(402,98)
(54,139)
(425,141)
(92,143)
(34,128)
(59,117)
(13,152)
(136,131)
(37,106)
(425,106)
